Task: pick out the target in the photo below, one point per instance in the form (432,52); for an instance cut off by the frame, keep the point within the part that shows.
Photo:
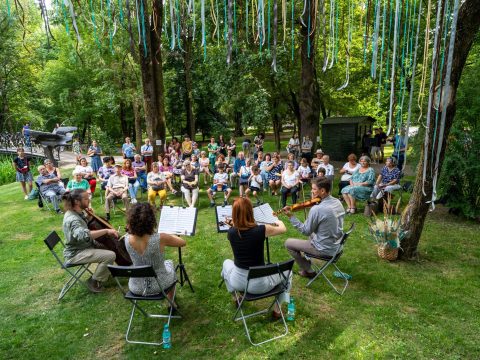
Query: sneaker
(26,197)
(212,204)
(306,274)
(94,285)
(134,201)
(174,191)
(107,216)
(59,212)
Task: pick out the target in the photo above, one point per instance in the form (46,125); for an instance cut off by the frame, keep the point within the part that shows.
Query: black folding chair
(51,241)
(331,260)
(256,272)
(145,271)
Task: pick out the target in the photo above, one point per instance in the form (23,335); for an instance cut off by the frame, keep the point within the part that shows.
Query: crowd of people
(224,167)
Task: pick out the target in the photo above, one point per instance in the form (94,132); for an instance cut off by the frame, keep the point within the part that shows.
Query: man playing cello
(324,226)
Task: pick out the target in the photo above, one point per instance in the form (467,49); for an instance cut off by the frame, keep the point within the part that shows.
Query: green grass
(426,309)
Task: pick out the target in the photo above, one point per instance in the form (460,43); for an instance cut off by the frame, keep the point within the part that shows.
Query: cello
(109,242)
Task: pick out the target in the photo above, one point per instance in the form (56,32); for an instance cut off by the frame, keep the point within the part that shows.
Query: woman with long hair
(361,185)
(247,241)
(133,184)
(146,247)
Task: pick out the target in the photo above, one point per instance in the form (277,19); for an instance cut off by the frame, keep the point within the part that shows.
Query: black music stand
(179,221)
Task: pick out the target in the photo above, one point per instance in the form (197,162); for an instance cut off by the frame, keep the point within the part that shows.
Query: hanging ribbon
(69,5)
(94,25)
(347,50)
(324,36)
(284,19)
(129,23)
(268,25)
(332,33)
(445,98)
(373,69)
(433,78)
(275,31)
(204,38)
(120,10)
(392,80)
(230,32)
(293,29)
(173,40)
(308,29)
(381,53)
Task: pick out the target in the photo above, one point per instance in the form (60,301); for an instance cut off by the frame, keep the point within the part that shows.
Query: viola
(107,241)
(300,206)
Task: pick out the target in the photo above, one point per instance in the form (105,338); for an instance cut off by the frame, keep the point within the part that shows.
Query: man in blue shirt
(49,187)
(239,162)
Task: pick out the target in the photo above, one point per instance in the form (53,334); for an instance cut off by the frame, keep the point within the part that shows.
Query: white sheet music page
(263,214)
(177,220)
(222,213)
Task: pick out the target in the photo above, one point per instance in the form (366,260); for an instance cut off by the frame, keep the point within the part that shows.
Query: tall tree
(417,209)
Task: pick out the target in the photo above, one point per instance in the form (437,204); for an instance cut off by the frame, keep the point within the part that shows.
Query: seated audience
(220,184)
(146,247)
(106,171)
(239,162)
(244,175)
(347,170)
(275,174)
(361,185)
(141,171)
(304,171)
(317,160)
(87,173)
(190,183)
(290,183)
(49,186)
(53,170)
(247,241)
(156,181)
(388,180)
(255,183)
(329,169)
(117,187)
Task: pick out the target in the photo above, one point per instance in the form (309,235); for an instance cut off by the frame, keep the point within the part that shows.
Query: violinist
(324,226)
(79,240)
(247,240)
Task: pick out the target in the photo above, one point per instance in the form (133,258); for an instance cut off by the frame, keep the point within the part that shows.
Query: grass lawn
(426,309)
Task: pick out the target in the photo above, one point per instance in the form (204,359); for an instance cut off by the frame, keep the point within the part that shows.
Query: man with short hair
(80,241)
(117,187)
(141,170)
(329,169)
(324,226)
(383,142)
(237,165)
(147,153)
(128,150)
(49,186)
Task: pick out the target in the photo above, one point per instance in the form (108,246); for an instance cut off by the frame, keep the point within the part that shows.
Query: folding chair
(45,200)
(51,241)
(331,260)
(145,271)
(256,272)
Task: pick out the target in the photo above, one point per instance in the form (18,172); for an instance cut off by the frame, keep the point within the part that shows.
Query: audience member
(22,171)
(117,187)
(49,187)
(220,184)
(128,149)
(361,185)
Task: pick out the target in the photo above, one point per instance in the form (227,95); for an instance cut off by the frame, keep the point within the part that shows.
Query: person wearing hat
(117,188)
(317,160)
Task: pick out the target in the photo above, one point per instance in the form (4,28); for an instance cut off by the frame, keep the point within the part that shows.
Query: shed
(342,136)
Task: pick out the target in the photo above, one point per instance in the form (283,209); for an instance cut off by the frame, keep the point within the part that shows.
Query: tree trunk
(187,67)
(276,125)
(417,208)
(309,94)
(238,124)
(138,124)
(123,120)
(152,75)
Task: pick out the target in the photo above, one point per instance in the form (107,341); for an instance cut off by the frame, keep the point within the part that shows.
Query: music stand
(179,221)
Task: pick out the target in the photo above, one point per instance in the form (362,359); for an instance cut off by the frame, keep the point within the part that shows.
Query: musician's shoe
(276,315)
(134,201)
(107,216)
(59,212)
(26,197)
(307,274)
(225,202)
(94,285)
(212,204)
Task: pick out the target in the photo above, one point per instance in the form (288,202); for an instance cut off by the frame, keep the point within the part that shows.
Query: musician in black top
(247,241)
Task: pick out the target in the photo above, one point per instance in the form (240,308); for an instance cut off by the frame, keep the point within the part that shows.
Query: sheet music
(223,212)
(178,220)
(263,214)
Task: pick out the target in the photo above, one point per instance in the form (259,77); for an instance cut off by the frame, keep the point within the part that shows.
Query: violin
(109,242)
(300,206)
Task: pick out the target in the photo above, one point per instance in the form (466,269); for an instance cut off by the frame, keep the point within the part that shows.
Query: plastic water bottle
(291,310)
(167,338)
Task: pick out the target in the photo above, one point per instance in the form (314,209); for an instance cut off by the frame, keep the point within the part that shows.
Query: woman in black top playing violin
(247,241)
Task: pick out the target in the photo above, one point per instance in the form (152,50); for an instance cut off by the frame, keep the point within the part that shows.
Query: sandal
(353,210)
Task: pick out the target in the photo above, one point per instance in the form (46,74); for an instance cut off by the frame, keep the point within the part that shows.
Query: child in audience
(245,172)
(220,184)
(255,181)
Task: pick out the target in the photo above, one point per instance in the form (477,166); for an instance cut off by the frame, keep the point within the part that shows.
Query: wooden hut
(342,136)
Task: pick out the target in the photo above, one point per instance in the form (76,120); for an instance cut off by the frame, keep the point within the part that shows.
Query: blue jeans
(264,175)
(142,180)
(132,189)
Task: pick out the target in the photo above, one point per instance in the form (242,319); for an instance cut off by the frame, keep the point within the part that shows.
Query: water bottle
(291,310)
(167,338)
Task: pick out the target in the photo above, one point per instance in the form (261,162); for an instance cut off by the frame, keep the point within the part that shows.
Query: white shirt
(304,171)
(293,142)
(290,179)
(220,178)
(256,181)
(329,169)
(349,171)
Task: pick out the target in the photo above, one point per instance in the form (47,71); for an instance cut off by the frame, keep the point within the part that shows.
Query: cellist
(79,244)
(324,226)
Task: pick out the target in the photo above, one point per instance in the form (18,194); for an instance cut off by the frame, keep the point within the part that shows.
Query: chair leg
(75,277)
(320,271)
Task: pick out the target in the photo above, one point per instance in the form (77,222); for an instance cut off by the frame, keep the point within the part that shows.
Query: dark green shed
(342,136)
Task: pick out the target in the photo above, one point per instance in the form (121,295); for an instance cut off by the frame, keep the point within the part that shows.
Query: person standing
(128,150)
(212,153)
(26,135)
(324,226)
(383,142)
(95,151)
(23,175)
(147,154)
(307,145)
(80,241)
(187,147)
